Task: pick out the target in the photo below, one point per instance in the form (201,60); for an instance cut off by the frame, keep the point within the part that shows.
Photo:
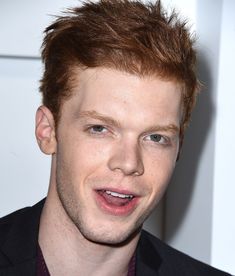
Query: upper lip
(119,191)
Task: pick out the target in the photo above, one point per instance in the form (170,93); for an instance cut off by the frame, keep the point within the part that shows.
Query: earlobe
(45,130)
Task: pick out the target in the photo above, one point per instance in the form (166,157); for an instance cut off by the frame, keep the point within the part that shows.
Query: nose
(126,157)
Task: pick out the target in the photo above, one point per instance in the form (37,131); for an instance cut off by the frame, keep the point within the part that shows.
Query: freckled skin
(124,156)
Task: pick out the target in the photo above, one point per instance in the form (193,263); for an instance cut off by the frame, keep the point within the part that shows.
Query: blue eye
(156,137)
(98,128)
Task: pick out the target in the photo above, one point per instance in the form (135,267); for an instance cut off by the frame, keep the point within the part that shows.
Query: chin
(107,237)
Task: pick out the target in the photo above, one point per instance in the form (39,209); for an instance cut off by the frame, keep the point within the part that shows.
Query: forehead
(101,78)
(120,94)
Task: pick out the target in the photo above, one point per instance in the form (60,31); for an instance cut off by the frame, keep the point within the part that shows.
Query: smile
(119,195)
(116,203)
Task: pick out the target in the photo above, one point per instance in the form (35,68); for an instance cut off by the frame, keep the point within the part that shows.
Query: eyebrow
(95,115)
(110,121)
(170,127)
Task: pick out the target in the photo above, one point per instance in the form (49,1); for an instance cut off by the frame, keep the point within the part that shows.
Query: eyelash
(90,129)
(165,142)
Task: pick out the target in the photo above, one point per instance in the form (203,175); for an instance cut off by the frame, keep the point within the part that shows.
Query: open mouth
(115,202)
(115,198)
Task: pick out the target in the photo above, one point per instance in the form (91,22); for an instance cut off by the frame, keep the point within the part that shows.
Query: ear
(45,130)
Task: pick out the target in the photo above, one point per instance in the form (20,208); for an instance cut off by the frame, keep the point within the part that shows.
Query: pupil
(156,137)
(98,128)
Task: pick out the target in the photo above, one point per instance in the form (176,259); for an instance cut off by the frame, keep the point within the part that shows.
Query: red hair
(125,35)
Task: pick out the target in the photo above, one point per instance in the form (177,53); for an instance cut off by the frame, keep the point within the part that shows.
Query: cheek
(158,172)
(82,156)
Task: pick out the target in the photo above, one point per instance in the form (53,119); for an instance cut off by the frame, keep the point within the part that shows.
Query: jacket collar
(148,261)
(20,243)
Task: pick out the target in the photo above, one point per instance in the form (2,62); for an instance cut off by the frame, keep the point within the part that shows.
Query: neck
(67,252)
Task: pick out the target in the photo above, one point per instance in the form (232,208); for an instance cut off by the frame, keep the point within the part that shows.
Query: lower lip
(114,210)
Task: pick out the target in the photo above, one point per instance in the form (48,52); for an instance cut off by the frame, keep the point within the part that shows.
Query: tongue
(117,201)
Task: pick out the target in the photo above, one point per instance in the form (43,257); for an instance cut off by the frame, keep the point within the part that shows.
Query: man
(118,89)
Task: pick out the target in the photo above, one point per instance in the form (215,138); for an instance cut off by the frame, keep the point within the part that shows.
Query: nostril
(127,159)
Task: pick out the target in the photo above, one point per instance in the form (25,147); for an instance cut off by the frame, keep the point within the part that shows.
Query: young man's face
(117,144)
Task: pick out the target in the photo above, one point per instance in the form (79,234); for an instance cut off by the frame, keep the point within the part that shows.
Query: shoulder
(24,215)
(170,261)
(12,216)
(18,234)
(7,221)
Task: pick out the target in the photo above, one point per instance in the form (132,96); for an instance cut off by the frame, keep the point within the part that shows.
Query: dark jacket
(18,248)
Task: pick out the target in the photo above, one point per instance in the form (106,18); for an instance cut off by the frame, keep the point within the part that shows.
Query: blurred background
(197,213)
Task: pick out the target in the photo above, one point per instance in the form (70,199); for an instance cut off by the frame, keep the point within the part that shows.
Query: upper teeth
(118,195)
